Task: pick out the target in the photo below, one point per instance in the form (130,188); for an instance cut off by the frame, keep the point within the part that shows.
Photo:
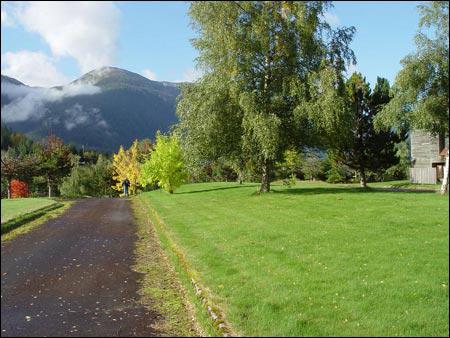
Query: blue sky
(152,38)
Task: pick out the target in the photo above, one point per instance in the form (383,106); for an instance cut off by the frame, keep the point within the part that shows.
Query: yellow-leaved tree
(126,165)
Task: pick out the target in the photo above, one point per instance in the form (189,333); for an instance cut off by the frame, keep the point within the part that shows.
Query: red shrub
(19,189)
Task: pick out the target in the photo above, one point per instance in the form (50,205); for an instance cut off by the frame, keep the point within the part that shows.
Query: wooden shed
(427,157)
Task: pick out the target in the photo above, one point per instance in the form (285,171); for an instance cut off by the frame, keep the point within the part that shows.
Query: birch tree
(421,88)
(260,55)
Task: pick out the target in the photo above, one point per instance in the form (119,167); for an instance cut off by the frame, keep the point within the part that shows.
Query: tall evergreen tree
(343,116)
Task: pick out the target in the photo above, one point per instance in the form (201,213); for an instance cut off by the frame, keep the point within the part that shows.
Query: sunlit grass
(316,259)
(23,224)
(12,208)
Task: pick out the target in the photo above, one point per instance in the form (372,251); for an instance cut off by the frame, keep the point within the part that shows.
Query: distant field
(315,259)
(16,207)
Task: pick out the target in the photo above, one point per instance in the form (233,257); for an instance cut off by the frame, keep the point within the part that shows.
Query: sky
(53,43)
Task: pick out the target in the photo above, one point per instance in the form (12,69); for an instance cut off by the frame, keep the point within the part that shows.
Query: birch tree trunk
(265,177)
(9,188)
(49,188)
(444,186)
(362,177)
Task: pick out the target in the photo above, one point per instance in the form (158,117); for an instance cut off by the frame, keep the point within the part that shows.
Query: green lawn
(315,259)
(405,185)
(16,207)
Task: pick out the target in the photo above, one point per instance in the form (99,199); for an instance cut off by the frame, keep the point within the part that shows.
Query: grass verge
(205,312)
(160,288)
(28,222)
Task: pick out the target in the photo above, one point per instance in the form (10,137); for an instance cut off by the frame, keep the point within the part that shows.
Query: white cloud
(85,30)
(32,68)
(29,103)
(190,75)
(6,19)
(77,115)
(331,18)
(149,74)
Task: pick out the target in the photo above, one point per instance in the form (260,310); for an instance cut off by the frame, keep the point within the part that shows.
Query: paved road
(72,276)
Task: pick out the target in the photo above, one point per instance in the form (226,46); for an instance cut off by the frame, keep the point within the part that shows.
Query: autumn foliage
(126,165)
(19,189)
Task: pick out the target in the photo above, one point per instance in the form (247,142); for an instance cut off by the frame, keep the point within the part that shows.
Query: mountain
(103,109)
(10,80)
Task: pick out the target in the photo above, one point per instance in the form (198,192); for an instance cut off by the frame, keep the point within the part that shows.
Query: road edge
(211,317)
(160,288)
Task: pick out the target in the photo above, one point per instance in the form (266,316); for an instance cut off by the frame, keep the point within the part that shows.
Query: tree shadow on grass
(214,189)
(345,190)
(22,219)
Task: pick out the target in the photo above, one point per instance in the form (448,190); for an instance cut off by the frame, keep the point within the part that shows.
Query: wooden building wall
(424,149)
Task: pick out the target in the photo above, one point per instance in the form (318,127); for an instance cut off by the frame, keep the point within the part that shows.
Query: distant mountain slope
(10,80)
(103,109)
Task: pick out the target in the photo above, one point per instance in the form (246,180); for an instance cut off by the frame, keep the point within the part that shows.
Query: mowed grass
(316,259)
(405,184)
(13,208)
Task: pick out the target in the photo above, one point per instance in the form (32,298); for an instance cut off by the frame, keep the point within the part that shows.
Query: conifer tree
(345,115)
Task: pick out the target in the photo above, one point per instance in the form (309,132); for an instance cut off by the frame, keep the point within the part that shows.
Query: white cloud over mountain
(190,75)
(149,74)
(32,68)
(28,103)
(84,30)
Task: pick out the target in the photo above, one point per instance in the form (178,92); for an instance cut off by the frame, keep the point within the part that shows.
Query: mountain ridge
(102,109)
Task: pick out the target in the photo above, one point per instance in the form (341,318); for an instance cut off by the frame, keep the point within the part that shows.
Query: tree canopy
(164,166)
(54,161)
(420,92)
(257,58)
(126,165)
(359,145)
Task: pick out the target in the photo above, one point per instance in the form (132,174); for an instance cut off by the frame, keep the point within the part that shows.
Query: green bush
(221,171)
(315,166)
(77,184)
(290,168)
(339,173)
(400,171)
(4,191)
(89,180)
(165,165)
